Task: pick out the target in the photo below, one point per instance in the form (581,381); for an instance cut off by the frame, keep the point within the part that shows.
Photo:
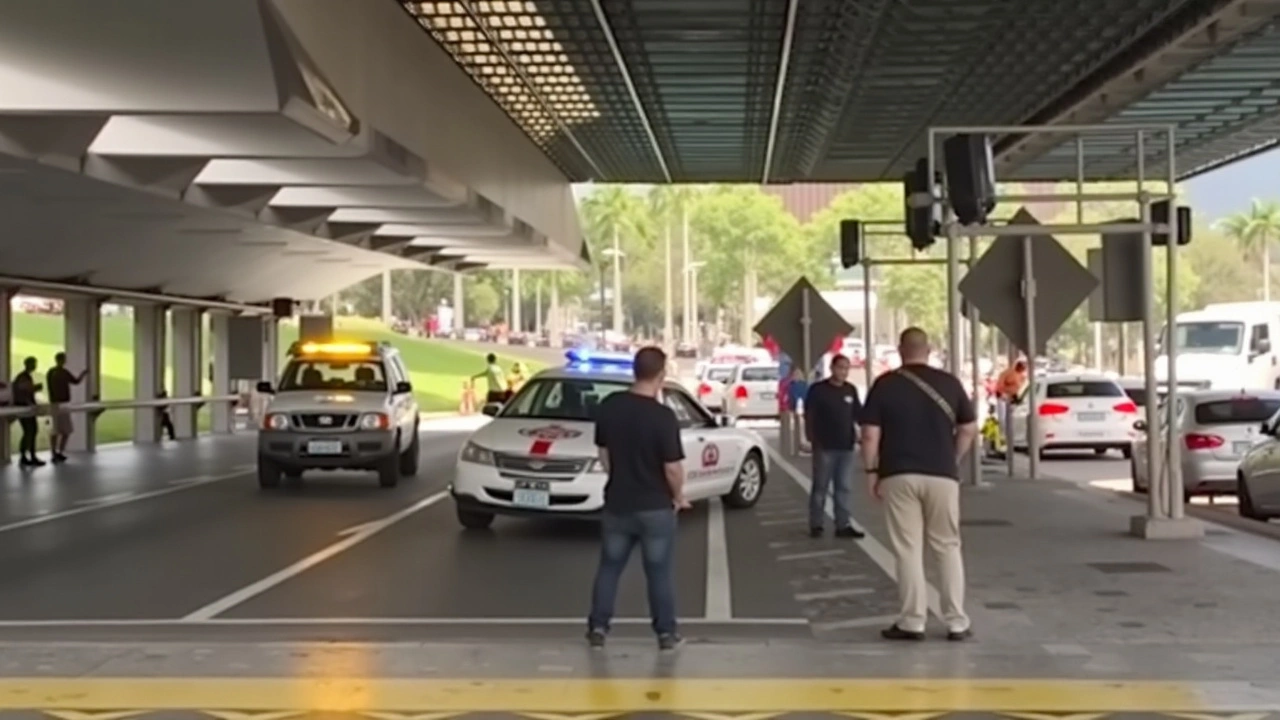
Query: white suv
(339,406)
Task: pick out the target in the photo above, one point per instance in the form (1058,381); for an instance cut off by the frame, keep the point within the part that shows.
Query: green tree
(1256,230)
(614,219)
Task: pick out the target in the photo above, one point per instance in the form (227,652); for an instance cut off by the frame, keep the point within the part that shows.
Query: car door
(710,454)
(405,404)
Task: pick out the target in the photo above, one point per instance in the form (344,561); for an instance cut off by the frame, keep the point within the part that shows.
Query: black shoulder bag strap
(928,389)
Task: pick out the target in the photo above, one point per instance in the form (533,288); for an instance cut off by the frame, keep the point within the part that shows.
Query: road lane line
(336,621)
(870,545)
(350,538)
(113,497)
(104,503)
(719,593)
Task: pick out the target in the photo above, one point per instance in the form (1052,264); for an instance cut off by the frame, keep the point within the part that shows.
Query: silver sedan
(1259,475)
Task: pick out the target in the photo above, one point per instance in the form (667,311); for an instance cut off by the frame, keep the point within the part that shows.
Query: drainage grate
(1128,568)
(981,522)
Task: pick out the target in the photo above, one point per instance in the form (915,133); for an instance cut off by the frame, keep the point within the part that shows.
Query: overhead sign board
(994,285)
(786,320)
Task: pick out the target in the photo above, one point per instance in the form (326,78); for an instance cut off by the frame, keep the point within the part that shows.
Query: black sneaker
(36,462)
(850,532)
(815,532)
(59,458)
(670,641)
(893,632)
(595,638)
(959,635)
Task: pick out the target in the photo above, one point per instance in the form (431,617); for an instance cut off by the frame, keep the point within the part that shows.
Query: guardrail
(96,407)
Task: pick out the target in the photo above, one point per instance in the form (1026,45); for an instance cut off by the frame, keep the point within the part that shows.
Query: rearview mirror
(1262,346)
(265,388)
(404,387)
(1140,425)
(491,409)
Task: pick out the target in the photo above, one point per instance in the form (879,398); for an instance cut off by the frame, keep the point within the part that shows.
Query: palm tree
(1256,229)
(670,204)
(610,212)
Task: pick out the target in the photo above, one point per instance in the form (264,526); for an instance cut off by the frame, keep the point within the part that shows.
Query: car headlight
(596,467)
(473,453)
(276,421)
(374,421)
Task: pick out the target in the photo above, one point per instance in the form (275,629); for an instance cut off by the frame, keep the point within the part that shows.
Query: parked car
(1078,412)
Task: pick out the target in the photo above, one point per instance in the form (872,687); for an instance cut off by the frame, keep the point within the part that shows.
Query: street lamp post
(617,256)
(691,304)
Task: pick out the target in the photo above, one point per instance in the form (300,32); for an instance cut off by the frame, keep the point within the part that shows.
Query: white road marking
(832,594)
(105,499)
(811,555)
(329,621)
(107,502)
(353,537)
(874,549)
(719,592)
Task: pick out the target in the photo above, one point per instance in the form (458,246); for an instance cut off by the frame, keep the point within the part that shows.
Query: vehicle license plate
(324,447)
(1091,416)
(1242,447)
(532,495)
(768,396)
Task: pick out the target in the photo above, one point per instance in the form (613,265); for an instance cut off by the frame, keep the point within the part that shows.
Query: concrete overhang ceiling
(210,150)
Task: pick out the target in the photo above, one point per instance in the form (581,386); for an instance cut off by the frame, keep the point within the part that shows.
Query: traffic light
(1160,216)
(850,243)
(971,178)
(921,222)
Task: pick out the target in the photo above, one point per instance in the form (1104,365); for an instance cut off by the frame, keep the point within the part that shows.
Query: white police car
(537,457)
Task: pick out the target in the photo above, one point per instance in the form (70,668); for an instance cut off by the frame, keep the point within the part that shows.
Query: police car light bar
(581,356)
(335,348)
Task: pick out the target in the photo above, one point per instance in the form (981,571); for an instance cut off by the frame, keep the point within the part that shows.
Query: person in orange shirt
(1008,388)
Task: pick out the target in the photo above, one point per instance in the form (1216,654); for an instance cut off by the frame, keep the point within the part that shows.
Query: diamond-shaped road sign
(785,323)
(994,285)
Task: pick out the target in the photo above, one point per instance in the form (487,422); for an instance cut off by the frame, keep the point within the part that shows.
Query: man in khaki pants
(916,425)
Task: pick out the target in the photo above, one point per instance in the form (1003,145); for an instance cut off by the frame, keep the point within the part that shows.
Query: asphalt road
(179,543)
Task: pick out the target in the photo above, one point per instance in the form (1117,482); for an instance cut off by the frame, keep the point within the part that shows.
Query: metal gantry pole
(1174,464)
(1033,407)
(954,349)
(806,331)
(1155,473)
(975,351)
(868,337)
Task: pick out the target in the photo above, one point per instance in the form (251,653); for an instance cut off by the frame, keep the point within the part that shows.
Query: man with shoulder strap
(916,426)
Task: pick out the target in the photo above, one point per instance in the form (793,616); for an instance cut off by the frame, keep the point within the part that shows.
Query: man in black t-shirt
(638,438)
(59,381)
(25,388)
(917,425)
(831,409)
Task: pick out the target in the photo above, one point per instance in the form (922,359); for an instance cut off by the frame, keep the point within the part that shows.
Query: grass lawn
(438,368)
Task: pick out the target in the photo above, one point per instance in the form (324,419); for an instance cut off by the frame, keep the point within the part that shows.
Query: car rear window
(719,374)
(1236,410)
(1084,388)
(760,374)
(1137,395)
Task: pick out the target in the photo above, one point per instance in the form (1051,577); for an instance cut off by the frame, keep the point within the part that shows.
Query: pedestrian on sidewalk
(831,410)
(917,425)
(638,439)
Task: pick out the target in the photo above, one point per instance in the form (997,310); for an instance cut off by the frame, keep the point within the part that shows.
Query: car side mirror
(265,388)
(404,387)
(1140,425)
(723,421)
(1262,347)
(491,409)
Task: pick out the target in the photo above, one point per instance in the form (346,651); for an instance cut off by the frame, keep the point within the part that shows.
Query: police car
(339,406)
(537,457)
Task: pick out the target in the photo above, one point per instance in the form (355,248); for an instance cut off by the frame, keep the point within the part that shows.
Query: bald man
(917,424)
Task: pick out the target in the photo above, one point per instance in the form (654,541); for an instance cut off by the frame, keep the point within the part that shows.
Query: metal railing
(97,407)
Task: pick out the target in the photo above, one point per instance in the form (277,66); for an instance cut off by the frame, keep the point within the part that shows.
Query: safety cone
(468,404)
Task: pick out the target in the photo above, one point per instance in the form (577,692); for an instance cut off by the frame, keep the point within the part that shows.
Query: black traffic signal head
(1160,216)
(921,222)
(850,243)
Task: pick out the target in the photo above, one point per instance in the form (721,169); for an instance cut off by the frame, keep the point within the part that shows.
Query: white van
(1227,346)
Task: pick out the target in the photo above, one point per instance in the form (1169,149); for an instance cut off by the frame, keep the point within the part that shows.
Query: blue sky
(1229,190)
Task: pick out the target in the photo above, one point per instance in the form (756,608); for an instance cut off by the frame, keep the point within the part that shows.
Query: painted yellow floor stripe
(596,696)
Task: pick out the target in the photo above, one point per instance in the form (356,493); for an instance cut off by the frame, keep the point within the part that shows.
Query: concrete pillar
(555,321)
(6,369)
(270,349)
(148,368)
(386,297)
(537,308)
(459,310)
(82,338)
(220,371)
(516,321)
(188,342)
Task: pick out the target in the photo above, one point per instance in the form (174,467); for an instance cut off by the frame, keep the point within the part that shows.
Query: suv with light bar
(339,406)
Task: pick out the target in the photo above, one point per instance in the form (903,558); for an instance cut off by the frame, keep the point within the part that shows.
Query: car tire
(1133,478)
(472,520)
(268,473)
(1245,501)
(748,486)
(389,471)
(409,458)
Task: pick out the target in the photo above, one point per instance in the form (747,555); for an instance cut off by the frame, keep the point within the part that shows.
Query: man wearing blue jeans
(638,438)
(831,409)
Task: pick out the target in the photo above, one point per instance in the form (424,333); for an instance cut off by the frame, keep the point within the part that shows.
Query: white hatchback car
(752,392)
(711,385)
(538,458)
(1218,429)
(1078,412)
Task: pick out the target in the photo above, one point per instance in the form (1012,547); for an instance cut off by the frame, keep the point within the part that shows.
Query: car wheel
(1245,500)
(473,520)
(749,485)
(268,473)
(389,471)
(1133,478)
(409,458)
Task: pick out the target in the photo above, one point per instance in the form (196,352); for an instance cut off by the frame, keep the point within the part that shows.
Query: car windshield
(561,398)
(334,374)
(1084,388)
(1217,338)
(1247,410)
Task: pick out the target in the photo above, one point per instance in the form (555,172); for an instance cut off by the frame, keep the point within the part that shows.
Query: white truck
(1226,346)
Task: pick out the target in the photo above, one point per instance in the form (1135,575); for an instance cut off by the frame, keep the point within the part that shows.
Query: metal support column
(220,371)
(148,368)
(387,310)
(1173,465)
(6,369)
(1033,409)
(82,331)
(975,352)
(868,336)
(270,349)
(188,343)
(459,306)
(953,300)
(555,319)
(517,323)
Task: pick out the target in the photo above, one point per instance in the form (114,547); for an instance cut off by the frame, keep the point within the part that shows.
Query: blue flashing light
(582,358)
